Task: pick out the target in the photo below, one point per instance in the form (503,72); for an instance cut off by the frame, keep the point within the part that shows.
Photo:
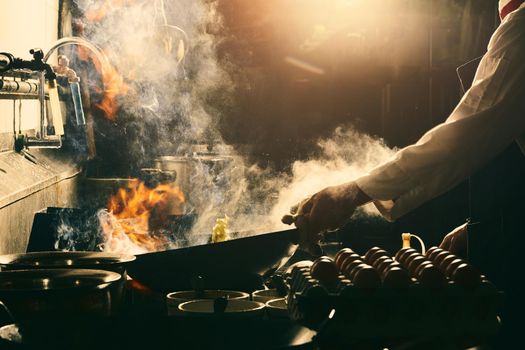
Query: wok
(174,269)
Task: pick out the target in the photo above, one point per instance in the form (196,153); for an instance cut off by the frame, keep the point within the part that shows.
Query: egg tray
(399,312)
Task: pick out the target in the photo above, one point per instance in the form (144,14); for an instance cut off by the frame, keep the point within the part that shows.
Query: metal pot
(198,173)
(74,260)
(181,166)
(58,293)
(79,260)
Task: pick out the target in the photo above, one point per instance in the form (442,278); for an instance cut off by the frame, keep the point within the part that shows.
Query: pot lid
(63,259)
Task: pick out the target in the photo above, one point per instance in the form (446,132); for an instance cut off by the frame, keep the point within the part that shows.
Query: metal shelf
(19,96)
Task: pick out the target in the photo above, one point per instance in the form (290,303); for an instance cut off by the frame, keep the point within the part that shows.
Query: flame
(97,12)
(135,215)
(114,86)
(112,80)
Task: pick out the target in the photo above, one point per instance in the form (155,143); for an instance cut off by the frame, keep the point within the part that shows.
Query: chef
(481,141)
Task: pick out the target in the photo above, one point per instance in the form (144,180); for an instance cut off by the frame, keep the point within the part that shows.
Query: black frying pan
(174,269)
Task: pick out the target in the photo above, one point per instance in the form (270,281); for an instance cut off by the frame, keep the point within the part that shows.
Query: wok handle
(6,317)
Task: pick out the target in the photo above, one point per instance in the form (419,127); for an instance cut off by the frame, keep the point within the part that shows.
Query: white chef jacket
(488,118)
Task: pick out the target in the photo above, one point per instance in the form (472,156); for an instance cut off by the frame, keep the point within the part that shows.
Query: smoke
(255,199)
(341,158)
(258,198)
(166,54)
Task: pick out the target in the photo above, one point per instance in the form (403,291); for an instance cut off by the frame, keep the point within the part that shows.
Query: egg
(342,251)
(381,265)
(453,266)
(407,259)
(341,256)
(431,277)
(300,264)
(433,254)
(400,254)
(325,271)
(350,266)
(430,250)
(366,277)
(440,256)
(376,255)
(396,278)
(414,263)
(320,259)
(370,252)
(379,260)
(392,265)
(446,261)
(345,258)
(418,269)
(466,276)
(354,270)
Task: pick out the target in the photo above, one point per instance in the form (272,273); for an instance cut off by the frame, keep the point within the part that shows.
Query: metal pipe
(42,99)
(74,40)
(77,103)
(18,86)
(48,142)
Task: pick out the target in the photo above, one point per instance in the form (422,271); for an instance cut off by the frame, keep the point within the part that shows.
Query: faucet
(45,71)
(51,137)
(73,79)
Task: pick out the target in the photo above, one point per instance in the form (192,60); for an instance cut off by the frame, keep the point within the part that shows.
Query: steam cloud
(172,75)
(165,52)
(344,157)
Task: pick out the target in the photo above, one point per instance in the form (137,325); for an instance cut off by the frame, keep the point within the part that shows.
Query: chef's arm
(488,118)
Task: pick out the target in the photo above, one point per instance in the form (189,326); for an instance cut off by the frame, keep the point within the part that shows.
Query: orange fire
(97,12)
(112,80)
(114,86)
(138,213)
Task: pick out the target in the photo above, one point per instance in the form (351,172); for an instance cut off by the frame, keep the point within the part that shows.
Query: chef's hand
(456,241)
(328,209)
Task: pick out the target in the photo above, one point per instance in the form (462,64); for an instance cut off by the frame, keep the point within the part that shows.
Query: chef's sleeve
(488,118)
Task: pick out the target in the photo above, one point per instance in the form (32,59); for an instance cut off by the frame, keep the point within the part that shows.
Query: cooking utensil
(56,293)
(264,295)
(78,260)
(74,260)
(277,308)
(173,269)
(173,300)
(223,308)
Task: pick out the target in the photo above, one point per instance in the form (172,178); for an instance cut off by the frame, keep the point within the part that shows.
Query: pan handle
(6,317)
